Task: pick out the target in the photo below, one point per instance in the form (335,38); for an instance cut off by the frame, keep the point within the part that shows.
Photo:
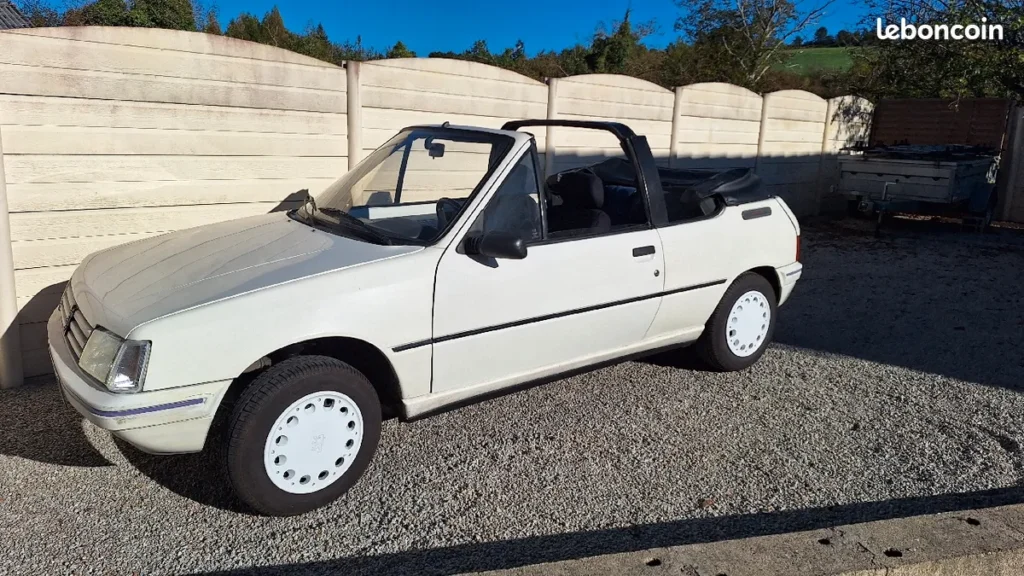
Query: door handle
(643,251)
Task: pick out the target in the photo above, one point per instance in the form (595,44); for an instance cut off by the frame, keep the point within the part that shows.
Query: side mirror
(496,244)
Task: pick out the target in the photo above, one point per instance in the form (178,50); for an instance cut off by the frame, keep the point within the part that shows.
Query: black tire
(853,209)
(259,407)
(990,212)
(713,346)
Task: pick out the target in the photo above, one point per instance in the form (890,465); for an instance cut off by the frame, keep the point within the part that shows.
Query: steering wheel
(446,209)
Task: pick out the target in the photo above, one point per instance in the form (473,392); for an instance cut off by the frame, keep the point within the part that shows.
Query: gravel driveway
(894,389)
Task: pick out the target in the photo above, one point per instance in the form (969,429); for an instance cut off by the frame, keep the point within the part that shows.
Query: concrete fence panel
(789,155)
(716,126)
(116,134)
(407,91)
(643,106)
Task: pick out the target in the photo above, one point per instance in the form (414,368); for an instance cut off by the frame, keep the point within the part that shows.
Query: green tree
(945,68)
(742,40)
(273,30)
(104,13)
(170,14)
(479,52)
(821,36)
(355,51)
(315,44)
(39,13)
(613,53)
(212,25)
(244,27)
(399,50)
(206,17)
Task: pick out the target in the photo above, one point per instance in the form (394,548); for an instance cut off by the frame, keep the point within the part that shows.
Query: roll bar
(621,131)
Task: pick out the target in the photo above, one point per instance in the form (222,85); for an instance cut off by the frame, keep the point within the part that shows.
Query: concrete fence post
(761,132)
(549,133)
(354,114)
(826,151)
(1011,169)
(677,110)
(11,374)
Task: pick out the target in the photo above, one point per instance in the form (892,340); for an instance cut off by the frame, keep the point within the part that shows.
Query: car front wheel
(741,326)
(301,434)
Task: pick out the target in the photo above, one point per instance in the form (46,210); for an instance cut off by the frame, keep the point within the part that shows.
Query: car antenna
(445,124)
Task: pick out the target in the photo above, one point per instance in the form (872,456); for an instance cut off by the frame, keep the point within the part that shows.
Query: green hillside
(803,60)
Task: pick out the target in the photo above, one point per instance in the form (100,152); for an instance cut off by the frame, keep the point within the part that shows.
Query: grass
(804,60)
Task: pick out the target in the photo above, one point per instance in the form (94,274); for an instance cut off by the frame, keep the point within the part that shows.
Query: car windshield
(411,189)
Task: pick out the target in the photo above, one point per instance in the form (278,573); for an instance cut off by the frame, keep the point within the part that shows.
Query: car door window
(594,200)
(515,206)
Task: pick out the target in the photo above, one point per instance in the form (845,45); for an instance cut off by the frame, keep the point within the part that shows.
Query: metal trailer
(932,180)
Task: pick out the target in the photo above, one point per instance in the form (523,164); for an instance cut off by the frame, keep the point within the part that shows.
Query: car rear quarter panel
(385,303)
(719,249)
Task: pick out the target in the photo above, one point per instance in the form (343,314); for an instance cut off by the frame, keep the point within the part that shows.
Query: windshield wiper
(305,207)
(310,208)
(346,217)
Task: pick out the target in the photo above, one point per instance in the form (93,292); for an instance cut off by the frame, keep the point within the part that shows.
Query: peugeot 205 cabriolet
(440,270)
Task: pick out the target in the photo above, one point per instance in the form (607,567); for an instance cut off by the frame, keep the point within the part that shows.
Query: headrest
(581,190)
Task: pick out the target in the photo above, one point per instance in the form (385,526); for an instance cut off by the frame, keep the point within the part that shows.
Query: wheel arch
(772,276)
(360,354)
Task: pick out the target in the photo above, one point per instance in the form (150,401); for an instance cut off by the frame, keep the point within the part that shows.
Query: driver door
(570,302)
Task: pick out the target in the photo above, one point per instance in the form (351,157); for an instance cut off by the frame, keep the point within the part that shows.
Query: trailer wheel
(990,212)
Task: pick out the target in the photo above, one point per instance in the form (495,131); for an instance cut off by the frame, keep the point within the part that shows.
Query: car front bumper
(171,421)
(788,275)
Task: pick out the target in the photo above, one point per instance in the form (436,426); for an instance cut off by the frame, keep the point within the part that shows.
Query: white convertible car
(442,269)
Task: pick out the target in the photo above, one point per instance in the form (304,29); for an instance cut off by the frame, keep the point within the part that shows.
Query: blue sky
(428,25)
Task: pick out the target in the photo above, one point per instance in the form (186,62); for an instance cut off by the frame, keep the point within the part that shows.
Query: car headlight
(120,364)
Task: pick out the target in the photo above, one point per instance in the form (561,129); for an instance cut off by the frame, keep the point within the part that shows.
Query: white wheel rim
(749,320)
(313,442)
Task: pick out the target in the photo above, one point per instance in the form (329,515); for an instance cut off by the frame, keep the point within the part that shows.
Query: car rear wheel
(741,326)
(301,434)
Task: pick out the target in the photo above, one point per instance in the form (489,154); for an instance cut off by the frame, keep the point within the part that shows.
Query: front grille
(76,328)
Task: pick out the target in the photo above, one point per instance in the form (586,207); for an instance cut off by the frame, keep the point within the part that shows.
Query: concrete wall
(644,107)
(112,135)
(790,147)
(109,135)
(408,91)
(717,126)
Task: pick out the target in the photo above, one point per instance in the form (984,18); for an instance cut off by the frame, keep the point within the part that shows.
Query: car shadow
(507,554)
(926,295)
(200,477)
(684,358)
(36,424)
(293,200)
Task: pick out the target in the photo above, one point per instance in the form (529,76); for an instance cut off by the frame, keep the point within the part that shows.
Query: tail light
(797,248)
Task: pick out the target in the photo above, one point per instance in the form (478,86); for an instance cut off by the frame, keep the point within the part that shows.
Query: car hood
(128,285)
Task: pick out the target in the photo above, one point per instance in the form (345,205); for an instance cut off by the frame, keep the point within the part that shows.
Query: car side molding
(517,323)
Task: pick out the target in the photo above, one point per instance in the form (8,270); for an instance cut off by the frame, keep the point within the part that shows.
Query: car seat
(581,210)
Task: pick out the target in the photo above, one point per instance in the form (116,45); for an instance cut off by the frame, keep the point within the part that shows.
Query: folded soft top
(735,186)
